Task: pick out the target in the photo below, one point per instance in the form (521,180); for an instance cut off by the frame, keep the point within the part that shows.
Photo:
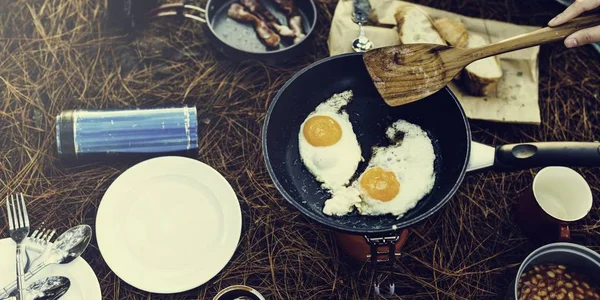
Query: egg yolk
(380,184)
(322,131)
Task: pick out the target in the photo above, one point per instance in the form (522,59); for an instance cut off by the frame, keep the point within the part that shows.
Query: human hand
(584,36)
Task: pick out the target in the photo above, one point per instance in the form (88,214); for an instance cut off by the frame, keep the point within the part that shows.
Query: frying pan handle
(532,155)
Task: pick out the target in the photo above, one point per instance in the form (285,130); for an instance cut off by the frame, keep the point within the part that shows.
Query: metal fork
(31,240)
(40,237)
(43,239)
(18,222)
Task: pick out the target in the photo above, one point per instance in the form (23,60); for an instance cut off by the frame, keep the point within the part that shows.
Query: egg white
(333,165)
(411,160)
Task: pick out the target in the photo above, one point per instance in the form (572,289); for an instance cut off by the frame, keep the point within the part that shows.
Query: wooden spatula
(410,72)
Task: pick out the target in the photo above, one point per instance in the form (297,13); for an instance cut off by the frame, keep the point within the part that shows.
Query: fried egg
(396,178)
(328,145)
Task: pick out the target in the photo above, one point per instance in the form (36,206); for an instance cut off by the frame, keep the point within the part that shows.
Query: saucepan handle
(532,155)
(178,9)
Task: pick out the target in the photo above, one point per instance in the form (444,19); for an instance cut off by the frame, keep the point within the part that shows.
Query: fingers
(583,37)
(574,10)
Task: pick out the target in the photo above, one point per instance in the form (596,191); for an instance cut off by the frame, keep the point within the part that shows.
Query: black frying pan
(441,115)
(238,41)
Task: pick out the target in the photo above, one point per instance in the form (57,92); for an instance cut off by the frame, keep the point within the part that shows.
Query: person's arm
(584,36)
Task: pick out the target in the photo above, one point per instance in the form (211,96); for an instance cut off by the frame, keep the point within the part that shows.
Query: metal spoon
(49,288)
(362,8)
(67,247)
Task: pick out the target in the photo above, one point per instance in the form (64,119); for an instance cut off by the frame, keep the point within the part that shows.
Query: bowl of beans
(558,271)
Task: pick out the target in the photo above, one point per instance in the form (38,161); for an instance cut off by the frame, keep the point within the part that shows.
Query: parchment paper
(516,99)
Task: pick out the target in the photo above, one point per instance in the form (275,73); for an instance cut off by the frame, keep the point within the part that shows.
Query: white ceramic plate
(168,224)
(84,283)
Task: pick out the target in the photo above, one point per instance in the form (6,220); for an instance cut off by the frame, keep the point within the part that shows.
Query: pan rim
(311,28)
(327,221)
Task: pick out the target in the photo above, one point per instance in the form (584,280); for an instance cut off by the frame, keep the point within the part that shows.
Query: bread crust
(480,86)
(474,83)
(400,16)
(452,31)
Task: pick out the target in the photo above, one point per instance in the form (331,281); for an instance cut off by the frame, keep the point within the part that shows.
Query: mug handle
(564,234)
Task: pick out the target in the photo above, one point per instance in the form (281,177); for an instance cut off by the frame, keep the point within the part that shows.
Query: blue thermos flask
(127,133)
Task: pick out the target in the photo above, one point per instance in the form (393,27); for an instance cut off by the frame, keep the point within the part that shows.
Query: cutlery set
(66,248)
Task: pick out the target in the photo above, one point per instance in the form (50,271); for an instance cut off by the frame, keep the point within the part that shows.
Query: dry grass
(54,55)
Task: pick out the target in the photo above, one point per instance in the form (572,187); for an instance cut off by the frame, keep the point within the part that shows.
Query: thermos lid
(65,142)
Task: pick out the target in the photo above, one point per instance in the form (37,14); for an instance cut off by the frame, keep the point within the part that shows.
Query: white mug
(557,197)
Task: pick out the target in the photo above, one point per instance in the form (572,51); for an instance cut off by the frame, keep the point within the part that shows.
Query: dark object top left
(126,15)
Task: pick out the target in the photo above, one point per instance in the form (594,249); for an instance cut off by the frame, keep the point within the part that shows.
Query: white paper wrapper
(516,99)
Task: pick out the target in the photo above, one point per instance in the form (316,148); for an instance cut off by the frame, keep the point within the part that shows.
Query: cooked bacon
(296,26)
(288,7)
(237,12)
(255,7)
(294,18)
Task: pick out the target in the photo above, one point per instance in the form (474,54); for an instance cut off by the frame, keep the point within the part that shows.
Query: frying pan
(440,115)
(238,41)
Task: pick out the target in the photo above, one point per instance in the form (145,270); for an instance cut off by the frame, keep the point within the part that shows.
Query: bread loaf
(415,26)
(481,77)
(452,31)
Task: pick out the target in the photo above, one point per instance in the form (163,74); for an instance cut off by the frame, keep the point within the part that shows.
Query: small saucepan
(237,39)
(576,258)
(441,115)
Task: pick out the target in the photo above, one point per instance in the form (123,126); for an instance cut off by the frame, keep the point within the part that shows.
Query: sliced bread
(481,77)
(453,31)
(415,26)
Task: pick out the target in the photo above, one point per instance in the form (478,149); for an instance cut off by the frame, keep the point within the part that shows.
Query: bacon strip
(255,7)
(294,18)
(296,26)
(237,12)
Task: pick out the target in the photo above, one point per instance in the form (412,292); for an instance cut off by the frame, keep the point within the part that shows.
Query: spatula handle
(535,38)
